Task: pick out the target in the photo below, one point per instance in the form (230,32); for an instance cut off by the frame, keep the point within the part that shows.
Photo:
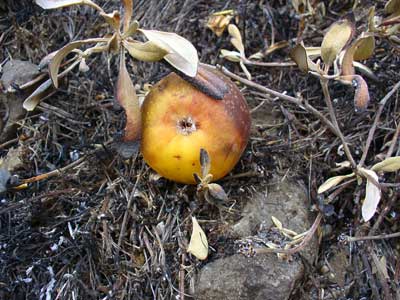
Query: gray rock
(263,276)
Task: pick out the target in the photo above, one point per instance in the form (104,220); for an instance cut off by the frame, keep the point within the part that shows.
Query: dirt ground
(91,230)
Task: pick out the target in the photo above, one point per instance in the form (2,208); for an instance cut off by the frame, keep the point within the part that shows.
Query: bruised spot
(178,157)
(193,164)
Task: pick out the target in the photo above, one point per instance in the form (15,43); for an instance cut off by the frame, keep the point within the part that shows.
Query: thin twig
(302,104)
(393,142)
(374,125)
(328,101)
(371,237)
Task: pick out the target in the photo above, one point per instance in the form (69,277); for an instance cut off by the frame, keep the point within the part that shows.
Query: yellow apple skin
(178,120)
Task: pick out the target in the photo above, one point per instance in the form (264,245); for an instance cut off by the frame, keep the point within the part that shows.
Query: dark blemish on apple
(178,157)
(193,164)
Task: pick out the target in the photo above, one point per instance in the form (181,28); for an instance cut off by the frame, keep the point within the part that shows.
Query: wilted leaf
(148,51)
(277,223)
(361,95)
(217,192)
(133,27)
(236,39)
(126,96)
(182,54)
(371,20)
(372,197)
(337,37)
(33,100)
(50,4)
(365,47)
(393,7)
(63,52)
(332,182)
(198,245)
(230,55)
(205,163)
(299,55)
(114,19)
(391,164)
(218,22)
(128,7)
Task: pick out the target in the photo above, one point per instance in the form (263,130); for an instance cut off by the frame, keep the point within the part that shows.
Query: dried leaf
(236,39)
(126,96)
(361,95)
(372,197)
(299,55)
(277,223)
(313,52)
(114,19)
(393,7)
(133,27)
(231,55)
(198,245)
(50,4)
(332,182)
(217,192)
(148,51)
(337,37)
(365,47)
(371,20)
(391,164)
(205,163)
(182,54)
(128,10)
(217,23)
(63,52)
(33,100)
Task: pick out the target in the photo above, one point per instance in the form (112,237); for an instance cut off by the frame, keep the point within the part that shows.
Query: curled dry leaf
(391,164)
(33,100)
(332,182)
(63,52)
(361,49)
(133,27)
(372,197)
(361,95)
(217,192)
(148,51)
(218,22)
(126,96)
(182,55)
(198,245)
(299,55)
(337,37)
(114,19)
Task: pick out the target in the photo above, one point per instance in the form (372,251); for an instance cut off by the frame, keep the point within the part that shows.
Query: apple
(178,120)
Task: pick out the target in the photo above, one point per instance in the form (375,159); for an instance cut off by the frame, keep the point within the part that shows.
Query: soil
(100,224)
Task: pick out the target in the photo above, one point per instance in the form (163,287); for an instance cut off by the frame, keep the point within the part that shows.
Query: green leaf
(182,55)
(391,164)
